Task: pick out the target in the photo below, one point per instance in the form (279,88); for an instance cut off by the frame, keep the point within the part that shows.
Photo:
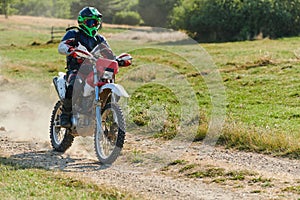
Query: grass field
(262,86)
(25,183)
(260,79)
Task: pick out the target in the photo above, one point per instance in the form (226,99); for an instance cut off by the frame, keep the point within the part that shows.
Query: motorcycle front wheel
(60,137)
(110,136)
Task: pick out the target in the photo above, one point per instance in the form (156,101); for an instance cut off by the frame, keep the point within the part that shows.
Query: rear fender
(60,85)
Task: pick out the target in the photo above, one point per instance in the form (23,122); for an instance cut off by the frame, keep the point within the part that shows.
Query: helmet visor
(91,23)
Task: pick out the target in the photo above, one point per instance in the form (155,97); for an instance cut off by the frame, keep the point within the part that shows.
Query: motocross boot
(65,117)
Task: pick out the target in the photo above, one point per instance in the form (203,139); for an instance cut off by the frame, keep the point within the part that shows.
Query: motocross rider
(86,36)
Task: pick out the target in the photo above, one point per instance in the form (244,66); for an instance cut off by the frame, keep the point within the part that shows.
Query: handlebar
(123,60)
(85,54)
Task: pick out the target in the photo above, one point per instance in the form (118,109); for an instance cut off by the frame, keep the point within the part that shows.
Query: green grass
(260,79)
(142,101)
(212,174)
(18,182)
(263,97)
(217,174)
(294,189)
(136,156)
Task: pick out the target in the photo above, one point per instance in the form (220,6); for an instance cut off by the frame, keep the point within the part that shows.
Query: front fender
(116,89)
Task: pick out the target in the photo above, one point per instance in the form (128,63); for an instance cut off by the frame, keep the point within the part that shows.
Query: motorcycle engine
(84,125)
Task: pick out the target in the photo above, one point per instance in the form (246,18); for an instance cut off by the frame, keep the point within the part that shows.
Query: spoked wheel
(60,137)
(109,141)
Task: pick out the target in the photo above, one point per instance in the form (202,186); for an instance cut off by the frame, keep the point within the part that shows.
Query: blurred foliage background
(203,20)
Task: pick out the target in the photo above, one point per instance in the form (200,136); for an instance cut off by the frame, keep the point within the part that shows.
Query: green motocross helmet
(89,20)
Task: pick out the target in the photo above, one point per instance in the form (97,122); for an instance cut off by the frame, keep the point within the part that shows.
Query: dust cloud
(25,112)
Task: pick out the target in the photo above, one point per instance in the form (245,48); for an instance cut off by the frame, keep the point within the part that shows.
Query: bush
(229,20)
(127,17)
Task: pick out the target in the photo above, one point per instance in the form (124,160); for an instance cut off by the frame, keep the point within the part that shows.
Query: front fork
(98,110)
(97,103)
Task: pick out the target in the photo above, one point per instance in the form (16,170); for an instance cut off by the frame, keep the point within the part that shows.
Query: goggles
(92,22)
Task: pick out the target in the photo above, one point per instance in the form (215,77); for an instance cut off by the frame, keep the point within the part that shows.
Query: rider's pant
(71,77)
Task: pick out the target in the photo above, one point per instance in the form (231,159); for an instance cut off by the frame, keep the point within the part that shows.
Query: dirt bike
(95,106)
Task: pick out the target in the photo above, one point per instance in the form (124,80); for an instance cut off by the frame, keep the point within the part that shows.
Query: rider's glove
(70,51)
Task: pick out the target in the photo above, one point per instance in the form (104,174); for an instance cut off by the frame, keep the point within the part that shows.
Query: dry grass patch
(250,138)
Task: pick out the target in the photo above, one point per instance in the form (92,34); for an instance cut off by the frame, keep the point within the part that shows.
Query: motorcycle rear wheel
(109,141)
(60,137)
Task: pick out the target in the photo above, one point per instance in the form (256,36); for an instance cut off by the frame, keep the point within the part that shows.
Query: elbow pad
(63,48)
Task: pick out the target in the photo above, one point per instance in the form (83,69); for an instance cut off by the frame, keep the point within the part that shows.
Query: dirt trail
(223,174)
(141,180)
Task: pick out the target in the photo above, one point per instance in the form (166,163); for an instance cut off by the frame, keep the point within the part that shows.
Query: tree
(61,9)
(127,17)
(156,12)
(34,8)
(232,20)
(107,8)
(50,8)
(5,6)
